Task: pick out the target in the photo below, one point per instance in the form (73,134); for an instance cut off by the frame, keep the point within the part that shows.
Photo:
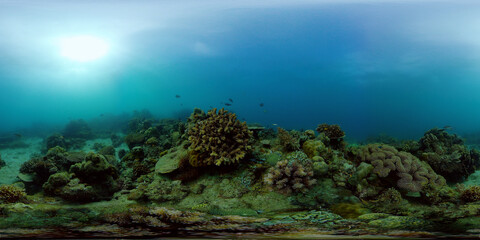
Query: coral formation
(219,139)
(332,135)
(412,174)
(471,194)
(11,194)
(447,155)
(290,177)
(287,141)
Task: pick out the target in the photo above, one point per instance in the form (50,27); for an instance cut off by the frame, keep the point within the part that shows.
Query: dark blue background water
(400,67)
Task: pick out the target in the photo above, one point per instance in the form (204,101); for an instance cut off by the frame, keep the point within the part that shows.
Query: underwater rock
(55,140)
(107,150)
(116,140)
(78,129)
(171,161)
(2,162)
(162,190)
(134,140)
(219,139)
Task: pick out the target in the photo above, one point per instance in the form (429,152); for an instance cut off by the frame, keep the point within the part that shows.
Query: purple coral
(289,177)
(413,174)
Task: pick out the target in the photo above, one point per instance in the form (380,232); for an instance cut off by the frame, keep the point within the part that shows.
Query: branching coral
(11,194)
(412,174)
(290,177)
(219,139)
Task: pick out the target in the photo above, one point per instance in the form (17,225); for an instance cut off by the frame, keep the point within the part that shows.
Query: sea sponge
(412,173)
(219,139)
(11,194)
(290,177)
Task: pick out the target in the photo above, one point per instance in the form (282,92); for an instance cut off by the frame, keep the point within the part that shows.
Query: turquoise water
(395,67)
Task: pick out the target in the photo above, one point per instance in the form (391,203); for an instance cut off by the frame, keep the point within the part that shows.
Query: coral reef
(11,194)
(412,174)
(290,177)
(219,139)
(287,141)
(56,140)
(90,180)
(471,194)
(447,155)
(332,135)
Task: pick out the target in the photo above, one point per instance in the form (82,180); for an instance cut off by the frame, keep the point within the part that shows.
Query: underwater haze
(395,67)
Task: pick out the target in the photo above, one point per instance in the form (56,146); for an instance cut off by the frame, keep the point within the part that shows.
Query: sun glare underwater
(220,119)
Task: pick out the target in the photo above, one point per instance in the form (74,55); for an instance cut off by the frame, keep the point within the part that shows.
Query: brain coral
(218,139)
(413,174)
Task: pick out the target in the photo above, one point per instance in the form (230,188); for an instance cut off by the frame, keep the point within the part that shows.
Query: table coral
(412,174)
(219,139)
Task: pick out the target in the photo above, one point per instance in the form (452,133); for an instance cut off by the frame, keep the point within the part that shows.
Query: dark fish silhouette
(261,104)
(18,135)
(228,104)
(101,115)
(177,96)
(230,100)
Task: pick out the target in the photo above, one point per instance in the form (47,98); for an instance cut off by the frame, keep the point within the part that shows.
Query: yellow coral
(219,139)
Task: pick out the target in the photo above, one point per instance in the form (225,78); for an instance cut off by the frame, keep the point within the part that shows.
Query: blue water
(397,67)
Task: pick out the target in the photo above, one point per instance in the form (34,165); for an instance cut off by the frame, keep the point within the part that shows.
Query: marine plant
(219,139)
(410,173)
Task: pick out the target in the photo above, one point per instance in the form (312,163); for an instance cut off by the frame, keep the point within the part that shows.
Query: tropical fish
(261,104)
(228,104)
(177,96)
(230,100)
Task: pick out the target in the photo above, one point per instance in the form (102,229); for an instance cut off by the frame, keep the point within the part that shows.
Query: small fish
(448,127)
(265,111)
(228,104)
(177,96)
(18,135)
(261,104)
(101,115)
(274,124)
(230,100)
